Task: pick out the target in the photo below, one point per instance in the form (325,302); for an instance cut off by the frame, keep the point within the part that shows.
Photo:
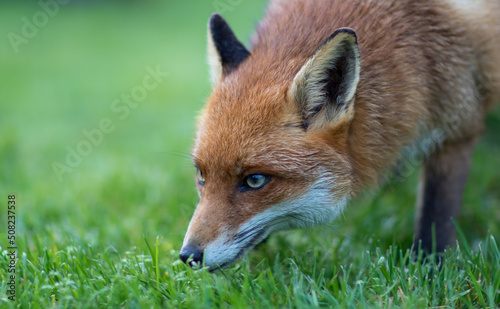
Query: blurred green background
(138,182)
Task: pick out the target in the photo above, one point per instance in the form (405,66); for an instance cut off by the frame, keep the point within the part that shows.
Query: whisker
(178,154)
(250,233)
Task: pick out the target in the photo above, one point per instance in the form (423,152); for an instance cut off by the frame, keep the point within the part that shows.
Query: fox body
(329,97)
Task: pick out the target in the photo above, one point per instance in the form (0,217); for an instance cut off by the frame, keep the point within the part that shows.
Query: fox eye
(254,182)
(200,177)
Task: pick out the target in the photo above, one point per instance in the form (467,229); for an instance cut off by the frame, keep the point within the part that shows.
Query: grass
(108,233)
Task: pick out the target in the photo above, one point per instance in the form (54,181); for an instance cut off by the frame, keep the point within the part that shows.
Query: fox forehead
(282,152)
(245,127)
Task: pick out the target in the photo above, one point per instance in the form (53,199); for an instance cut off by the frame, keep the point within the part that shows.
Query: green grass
(109,233)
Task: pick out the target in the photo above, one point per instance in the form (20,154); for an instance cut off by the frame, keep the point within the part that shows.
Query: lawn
(98,102)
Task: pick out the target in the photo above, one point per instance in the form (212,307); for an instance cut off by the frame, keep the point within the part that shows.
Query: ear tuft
(225,52)
(325,86)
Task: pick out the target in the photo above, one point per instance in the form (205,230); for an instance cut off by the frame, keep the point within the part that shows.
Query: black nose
(188,251)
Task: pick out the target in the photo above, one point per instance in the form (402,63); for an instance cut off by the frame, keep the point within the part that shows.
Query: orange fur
(425,66)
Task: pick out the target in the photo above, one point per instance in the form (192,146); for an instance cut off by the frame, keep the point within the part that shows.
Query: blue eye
(254,181)
(200,177)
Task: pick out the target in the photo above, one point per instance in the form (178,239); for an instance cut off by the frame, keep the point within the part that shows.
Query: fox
(328,98)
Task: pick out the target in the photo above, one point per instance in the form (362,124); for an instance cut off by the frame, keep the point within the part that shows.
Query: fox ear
(225,52)
(325,86)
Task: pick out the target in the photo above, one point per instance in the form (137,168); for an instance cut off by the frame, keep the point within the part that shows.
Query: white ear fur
(214,60)
(327,82)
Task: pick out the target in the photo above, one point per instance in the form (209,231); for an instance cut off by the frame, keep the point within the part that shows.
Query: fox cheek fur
(316,116)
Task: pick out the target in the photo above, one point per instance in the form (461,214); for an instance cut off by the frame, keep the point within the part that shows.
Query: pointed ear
(325,86)
(225,52)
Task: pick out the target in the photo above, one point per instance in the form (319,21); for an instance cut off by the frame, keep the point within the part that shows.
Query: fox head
(271,148)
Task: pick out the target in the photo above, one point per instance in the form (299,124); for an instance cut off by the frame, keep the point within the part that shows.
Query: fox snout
(217,241)
(191,251)
(220,242)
